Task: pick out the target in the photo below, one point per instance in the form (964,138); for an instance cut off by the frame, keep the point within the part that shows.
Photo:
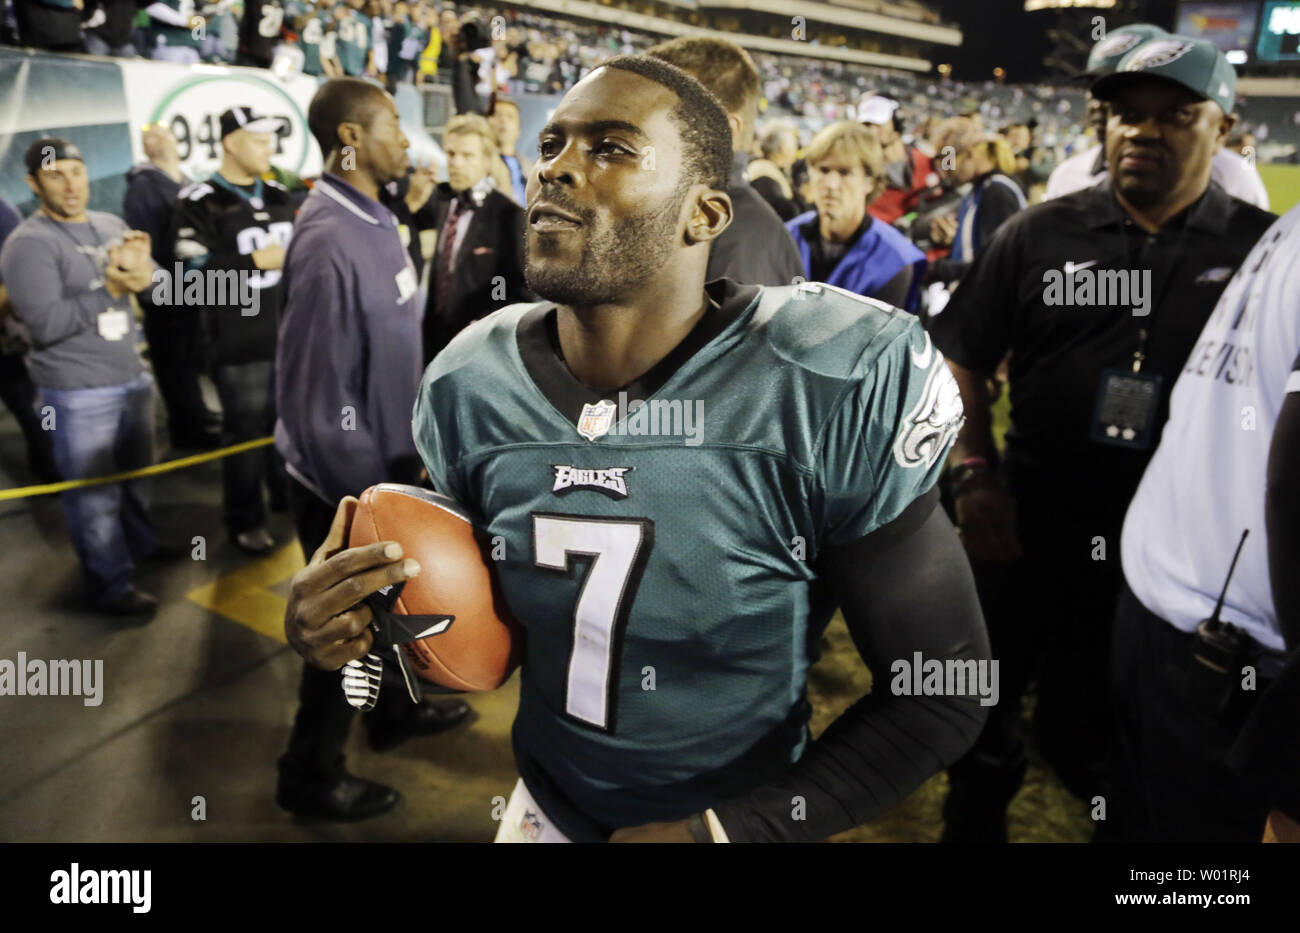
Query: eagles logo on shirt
(1159,53)
(932,425)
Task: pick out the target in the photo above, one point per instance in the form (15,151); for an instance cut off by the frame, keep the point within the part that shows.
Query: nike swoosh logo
(438,627)
(922,360)
(1073,267)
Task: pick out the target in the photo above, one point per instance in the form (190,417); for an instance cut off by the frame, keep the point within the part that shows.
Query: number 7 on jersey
(617,550)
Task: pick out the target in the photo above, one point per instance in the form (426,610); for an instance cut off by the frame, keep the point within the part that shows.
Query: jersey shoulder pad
(827,330)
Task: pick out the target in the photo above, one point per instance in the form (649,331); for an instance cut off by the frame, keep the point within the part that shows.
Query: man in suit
(478,263)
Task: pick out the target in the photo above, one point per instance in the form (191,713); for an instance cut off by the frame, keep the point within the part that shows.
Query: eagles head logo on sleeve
(932,425)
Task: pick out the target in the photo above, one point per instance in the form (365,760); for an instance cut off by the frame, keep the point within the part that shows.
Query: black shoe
(132,603)
(345,797)
(425,719)
(256,542)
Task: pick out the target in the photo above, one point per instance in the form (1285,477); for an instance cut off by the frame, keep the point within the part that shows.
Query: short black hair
(699,117)
(341,100)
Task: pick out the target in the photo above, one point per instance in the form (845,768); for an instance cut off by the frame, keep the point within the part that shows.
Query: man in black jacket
(756,248)
(175,340)
(478,263)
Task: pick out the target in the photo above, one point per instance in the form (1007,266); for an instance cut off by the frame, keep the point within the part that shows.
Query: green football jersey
(659,544)
(310,40)
(353,42)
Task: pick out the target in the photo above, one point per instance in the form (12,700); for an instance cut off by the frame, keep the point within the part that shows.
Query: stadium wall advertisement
(100,105)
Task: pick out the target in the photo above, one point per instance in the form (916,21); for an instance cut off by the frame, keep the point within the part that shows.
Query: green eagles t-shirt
(662,558)
(316,43)
(353,43)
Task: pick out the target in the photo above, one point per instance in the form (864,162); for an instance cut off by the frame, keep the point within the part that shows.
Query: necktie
(446,254)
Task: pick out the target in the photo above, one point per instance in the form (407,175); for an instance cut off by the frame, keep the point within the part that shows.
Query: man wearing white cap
(909,172)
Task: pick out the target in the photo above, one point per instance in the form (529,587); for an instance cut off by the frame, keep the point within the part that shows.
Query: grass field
(1283,185)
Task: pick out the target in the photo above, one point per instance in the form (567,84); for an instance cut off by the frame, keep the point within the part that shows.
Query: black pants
(19,395)
(176,351)
(247,413)
(320,729)
(1049,617)
(1169,780)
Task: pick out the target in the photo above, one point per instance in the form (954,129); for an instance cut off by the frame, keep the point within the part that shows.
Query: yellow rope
(24,492)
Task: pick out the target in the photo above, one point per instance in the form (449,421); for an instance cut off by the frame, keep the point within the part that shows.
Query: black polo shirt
(1059,348)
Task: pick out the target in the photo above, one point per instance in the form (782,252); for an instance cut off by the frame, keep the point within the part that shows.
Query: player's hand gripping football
(326,621)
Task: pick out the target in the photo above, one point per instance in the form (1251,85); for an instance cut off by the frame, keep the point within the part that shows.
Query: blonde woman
(968,155)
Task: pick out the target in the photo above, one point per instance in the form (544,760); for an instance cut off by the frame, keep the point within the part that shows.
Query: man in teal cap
(1228,170)
(1089,378)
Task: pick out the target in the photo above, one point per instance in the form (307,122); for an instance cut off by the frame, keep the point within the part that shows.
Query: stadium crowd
(929,196)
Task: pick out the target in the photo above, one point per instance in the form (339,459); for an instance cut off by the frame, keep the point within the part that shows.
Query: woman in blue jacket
(839,242)
(968,156)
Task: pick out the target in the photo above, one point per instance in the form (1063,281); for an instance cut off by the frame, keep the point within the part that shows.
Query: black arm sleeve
(895,291)
(1282,518)
(1267,752)
(906,588)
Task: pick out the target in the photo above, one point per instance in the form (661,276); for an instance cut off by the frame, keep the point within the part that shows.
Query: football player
(674,578)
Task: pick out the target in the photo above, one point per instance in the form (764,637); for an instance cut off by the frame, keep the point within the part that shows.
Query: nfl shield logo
(596,419)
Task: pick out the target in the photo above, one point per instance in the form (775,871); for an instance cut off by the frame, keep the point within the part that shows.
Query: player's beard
(615,260)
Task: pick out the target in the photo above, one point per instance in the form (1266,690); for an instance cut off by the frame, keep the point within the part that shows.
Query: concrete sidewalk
(194,704)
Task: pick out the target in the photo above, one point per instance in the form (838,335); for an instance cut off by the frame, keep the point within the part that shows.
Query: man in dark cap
(70,273)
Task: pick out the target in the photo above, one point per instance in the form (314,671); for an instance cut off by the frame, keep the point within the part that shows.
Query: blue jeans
(97,432)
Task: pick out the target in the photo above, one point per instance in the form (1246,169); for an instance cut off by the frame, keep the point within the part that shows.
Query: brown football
(479,647)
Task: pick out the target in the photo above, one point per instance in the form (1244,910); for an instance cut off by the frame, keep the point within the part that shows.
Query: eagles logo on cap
(1115,45)
(1157,53)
